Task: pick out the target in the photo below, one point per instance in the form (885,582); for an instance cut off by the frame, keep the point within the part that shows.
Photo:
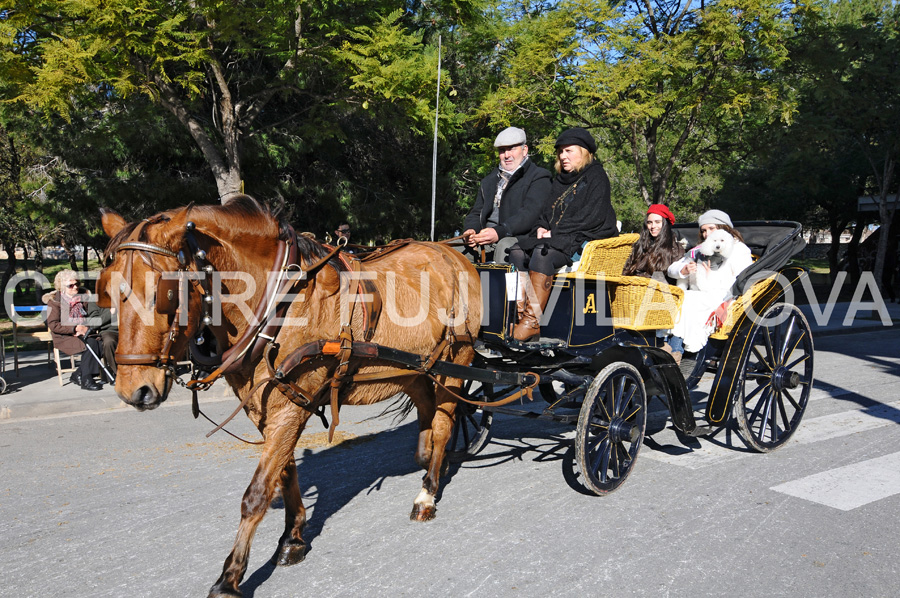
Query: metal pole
(434,149)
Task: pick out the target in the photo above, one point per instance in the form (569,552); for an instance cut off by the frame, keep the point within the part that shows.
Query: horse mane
(233,215)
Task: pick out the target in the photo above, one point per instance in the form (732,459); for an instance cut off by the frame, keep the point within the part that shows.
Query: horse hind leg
(423,392)
(291,547)
(424,507)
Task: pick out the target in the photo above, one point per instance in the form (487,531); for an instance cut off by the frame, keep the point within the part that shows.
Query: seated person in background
(579,211)
(657,248)
(509,200)
(68,319)
(700,301)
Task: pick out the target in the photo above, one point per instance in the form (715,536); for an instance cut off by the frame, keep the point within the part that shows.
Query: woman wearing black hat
(577,211)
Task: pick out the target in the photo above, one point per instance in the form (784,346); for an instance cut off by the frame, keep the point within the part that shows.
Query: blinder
(167,295)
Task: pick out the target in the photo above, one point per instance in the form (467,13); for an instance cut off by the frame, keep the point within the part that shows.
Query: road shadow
(332,477)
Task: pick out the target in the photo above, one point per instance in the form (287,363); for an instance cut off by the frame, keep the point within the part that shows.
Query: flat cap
(510,136)
(577,136)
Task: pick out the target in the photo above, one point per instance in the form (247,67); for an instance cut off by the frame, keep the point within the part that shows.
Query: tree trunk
(10,263)
(853,248)
(70,255)
(834,250)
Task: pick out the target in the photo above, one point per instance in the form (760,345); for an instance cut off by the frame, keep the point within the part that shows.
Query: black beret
(577,136)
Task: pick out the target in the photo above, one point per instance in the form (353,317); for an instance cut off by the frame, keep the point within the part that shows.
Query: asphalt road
(121,503)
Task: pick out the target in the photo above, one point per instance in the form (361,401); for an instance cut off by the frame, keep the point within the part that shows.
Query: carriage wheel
(776,374)
(611,427)
(472,424)
(2,385)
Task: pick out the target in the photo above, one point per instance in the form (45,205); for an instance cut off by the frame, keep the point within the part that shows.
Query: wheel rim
(471,424)
(611,427)
(777,377)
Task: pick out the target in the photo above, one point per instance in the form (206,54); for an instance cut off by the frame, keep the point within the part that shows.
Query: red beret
(663,211)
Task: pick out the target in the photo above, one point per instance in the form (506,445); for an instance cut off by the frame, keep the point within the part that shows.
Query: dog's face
(718,242)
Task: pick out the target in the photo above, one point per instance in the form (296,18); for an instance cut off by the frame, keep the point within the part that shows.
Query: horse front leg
(272,469)
(424,507)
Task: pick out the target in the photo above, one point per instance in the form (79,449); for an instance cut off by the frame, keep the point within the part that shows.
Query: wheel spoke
(797,361)
(625,402)
(769,350)
(764,420)
(617,405)
(773,417)
(759,404)
(614,468)
(600,463)
(784,416)
(601,400)
(753,393)
(787,338)
(759,375)
(791,399)
(761,359)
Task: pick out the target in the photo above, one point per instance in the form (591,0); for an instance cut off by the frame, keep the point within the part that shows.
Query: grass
(815,265)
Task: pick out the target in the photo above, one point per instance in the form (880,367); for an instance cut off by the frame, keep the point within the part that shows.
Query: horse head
(167,276)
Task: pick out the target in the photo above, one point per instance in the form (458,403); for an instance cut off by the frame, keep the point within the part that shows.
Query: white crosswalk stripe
(851,486)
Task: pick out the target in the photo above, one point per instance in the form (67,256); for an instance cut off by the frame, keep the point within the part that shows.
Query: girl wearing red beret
(657,248)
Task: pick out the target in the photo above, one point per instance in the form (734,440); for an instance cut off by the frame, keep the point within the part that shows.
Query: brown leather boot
(529,326)
(524,290)
(675,355)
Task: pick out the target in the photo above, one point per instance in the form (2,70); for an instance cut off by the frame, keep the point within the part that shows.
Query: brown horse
(432,307)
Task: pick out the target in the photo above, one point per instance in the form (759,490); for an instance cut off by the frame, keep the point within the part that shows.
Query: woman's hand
(689,269)
(543,233)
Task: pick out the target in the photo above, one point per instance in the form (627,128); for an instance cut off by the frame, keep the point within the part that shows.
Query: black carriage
(600,360)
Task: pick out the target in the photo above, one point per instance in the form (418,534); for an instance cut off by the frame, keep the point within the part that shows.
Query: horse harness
(248,348)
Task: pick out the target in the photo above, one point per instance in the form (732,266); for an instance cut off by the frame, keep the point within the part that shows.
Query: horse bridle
(289,273)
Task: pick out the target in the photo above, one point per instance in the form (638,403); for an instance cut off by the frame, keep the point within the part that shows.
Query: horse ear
(112,222)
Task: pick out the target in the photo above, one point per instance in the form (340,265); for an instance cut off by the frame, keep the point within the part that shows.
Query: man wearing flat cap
(510,199)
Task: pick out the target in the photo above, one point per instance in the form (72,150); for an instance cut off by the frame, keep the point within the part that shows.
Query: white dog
(711,256)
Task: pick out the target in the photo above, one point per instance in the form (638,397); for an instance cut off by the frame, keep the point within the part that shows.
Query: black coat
(579,210)
(521,204)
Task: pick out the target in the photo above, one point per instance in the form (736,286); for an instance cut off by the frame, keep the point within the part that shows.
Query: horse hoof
(222,592)
(422,513)
(290,553)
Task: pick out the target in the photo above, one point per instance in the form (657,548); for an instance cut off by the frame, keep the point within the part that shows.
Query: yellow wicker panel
(739,305)
(607,256)
(639,303)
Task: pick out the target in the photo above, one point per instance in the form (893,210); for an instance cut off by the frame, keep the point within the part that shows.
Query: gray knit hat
(714,217)
(510,136)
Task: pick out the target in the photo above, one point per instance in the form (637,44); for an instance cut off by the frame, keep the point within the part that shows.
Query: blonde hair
(586,158)
(62,276)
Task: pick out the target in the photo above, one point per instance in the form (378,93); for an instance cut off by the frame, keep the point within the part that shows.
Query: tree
(843,142)
(673,84)
(228,72)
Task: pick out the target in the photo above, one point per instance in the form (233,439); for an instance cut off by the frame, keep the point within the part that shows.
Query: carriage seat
(603,256)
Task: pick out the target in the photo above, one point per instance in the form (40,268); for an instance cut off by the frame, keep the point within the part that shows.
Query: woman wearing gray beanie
(701,300)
